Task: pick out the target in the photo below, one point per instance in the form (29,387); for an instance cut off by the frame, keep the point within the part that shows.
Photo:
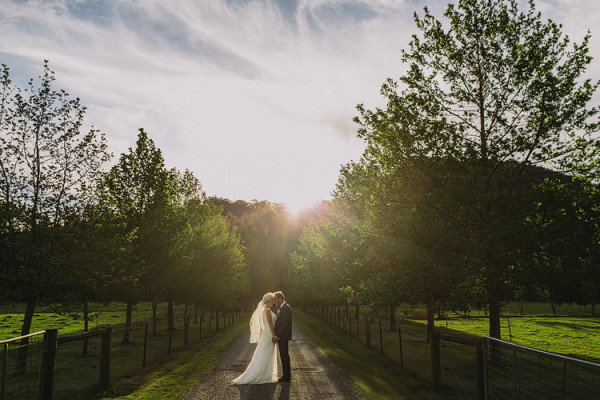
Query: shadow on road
(266,391)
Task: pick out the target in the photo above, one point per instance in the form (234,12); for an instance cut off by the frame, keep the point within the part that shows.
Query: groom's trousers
(285,358)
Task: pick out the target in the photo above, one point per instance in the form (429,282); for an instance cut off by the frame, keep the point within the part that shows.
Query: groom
(283,334)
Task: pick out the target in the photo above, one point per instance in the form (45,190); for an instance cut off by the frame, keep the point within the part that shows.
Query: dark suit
(283,330)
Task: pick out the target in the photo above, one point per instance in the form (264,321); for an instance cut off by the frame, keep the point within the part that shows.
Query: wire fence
(458,367)
(79,359)
(70,357)
(407,344)
(146,349)
(518,372)
(22,367)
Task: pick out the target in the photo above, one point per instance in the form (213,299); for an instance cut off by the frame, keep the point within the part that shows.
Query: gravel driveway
(313,376)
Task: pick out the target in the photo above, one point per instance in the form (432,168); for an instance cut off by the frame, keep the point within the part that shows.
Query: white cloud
(256,96)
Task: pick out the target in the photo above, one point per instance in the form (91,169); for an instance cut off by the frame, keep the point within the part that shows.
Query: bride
(263,366)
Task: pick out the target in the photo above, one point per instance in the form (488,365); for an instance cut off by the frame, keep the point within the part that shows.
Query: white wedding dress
(263,366)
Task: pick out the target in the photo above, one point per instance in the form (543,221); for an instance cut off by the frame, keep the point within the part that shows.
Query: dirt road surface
(313,376)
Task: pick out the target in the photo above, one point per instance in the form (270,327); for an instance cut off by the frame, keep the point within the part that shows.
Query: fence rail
(27,366)
(105,349)
(42,365)
(470,368)
(513,372)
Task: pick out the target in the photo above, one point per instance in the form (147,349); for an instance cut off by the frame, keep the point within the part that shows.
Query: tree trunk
(553,308)
(29,310)
(521,301)
(430,323)
(195,313)
(86,317)
(495,319)
(85,327)
(25,330)
(170,318)
(154,308)
(393,326)
(128,314)
(357,309)
(216,320)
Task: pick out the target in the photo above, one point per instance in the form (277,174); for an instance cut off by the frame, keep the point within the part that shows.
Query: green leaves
(48,165)
(445,185)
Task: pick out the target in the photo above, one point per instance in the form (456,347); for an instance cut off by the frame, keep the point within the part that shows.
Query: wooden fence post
(436,367)
(401,353)
(479,387)
(48,359)
(350,324)
(145,346)
(105,348)
(380,338)
(4,371)
(186,329)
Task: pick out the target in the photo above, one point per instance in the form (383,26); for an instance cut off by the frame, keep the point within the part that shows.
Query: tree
(485,97)
(215,269)
(317,265)
(401,238)
(265,232)
(48,164)
(566,260)
(205,260)
(138,192)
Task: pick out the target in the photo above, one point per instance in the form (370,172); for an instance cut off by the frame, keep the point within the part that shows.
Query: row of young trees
(478,182)
(479,178)
(72,233)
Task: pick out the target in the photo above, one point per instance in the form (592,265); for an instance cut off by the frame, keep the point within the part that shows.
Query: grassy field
(573,336)
(372,375)
(572,331)
(164,376)
(11,317)
(177,374)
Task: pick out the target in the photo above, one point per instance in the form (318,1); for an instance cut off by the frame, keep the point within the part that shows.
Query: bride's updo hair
(267,297)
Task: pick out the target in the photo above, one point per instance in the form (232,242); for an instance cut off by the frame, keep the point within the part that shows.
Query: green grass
(76,375)
(71,321)
(372,375)
(174,377)
(512,309)
(573,336)
(573,332)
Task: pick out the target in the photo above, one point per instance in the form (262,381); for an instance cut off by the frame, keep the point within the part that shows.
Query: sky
(256,97)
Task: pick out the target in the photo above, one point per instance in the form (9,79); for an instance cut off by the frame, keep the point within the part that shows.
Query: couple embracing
(272,331)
